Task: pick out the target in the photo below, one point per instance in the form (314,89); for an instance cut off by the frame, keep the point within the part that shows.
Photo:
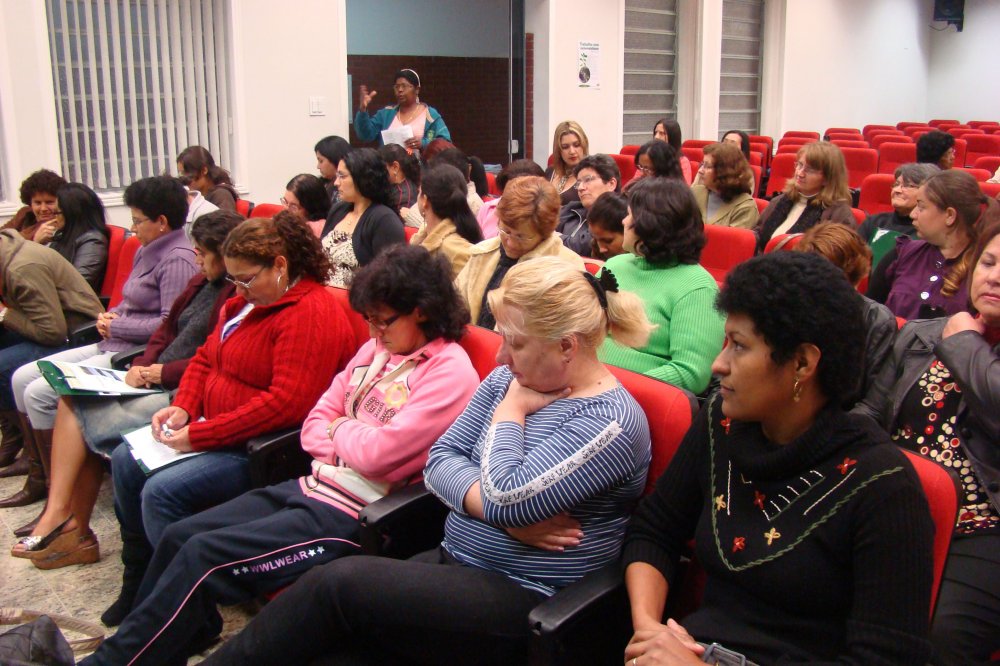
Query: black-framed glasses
(240,283)
(381,324)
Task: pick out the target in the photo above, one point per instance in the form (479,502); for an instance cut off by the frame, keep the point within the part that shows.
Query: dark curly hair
(730,170)
(666,219)
(42,180)
(312,195)
(263,239)
(159,195)
(796,298)
(210,230)
(932,146)
(517,169)
(369,174)
(666,164)
(407,277)
(445,189)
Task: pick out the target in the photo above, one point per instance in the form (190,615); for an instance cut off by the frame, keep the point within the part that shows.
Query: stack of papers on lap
(150,454)
(99,380)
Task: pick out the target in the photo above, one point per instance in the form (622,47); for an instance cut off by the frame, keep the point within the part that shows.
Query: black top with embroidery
(816,551)
(926,424)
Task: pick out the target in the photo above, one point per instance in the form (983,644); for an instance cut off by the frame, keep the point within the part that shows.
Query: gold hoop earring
(796,391)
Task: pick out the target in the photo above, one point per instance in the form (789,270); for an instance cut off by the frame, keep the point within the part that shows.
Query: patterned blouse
(341,252)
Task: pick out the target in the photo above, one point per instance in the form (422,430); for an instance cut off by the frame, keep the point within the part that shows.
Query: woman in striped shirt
(540,472)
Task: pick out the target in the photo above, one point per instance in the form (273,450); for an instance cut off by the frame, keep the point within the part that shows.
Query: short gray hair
(915,173)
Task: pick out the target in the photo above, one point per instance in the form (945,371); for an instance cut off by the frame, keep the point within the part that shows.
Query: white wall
(963,80)
(847,63)
(458,28)
(558,95)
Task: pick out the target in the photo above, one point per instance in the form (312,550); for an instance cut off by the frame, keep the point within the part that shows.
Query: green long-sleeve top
(680,301)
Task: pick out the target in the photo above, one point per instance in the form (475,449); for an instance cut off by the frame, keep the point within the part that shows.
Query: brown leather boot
(43,441)
(34,486)
(12,443)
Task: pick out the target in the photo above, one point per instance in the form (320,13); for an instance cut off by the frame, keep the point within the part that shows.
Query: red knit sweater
(271,369)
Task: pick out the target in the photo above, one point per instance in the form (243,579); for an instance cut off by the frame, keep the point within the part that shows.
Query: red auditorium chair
(756,159)
(903,126)
(867,130)
(982,124)
(786,148)
(756,178)
(724,248)
(962,132)
(989,162)
(914,131)
(630,149)
(592,265)
(766,140)
(244,207)
(981,175)
(991,190)
(693,154)
(123,269)
(843,136)
(980,145)
(801,134)
(626,166)
(860,162)
(844,143)
(782,242)
(266,210)
(961,147)
(358,324)
(782,169)
(859,215)
(409,232)
(944,127)
(697,143)
(876,193)
(695,165)
(880,140)
(795,141)
(763,148)
(491,184)
(116,242)
(938,122)
(761,204)
(481,344)
(891,155)
(841,130)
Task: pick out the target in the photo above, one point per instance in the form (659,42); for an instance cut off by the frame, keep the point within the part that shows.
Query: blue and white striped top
(584,456)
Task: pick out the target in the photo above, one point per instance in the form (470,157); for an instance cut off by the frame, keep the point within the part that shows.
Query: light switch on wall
(317,106)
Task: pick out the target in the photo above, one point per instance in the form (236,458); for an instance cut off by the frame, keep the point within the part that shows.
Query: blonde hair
(530,202)
(825,157)
(563,128)
(842,246)
(558,300)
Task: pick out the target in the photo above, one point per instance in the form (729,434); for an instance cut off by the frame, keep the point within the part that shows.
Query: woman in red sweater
(276,348)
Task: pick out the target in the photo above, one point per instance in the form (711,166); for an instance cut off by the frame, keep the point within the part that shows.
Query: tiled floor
(81,591)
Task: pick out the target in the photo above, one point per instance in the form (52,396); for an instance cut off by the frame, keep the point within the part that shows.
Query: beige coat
(483,260)
(444,238)
(46,297)
(740,212)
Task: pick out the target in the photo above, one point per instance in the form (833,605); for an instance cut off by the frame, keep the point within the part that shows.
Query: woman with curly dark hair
(369,435)
(723,195)
(197,169)
(306,196)
(81,235)
(664,237)
(38,194)
(450,228)
(811,526)
(362,223)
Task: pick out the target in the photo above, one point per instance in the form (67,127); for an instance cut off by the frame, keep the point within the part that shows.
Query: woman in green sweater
(664,236)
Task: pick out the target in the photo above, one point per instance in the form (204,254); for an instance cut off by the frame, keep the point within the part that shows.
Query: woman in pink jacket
(369,434)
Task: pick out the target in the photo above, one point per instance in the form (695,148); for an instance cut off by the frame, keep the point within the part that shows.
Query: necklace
(419,109)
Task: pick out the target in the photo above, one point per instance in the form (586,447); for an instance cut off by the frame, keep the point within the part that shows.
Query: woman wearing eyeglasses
(307,197)
(723,195)
(424,121)
(369,434)
(817,193)
(527,216)
(655,158)
(274,351)
(87,429)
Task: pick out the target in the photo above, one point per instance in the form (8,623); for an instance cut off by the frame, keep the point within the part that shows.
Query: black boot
(136,554)
(34,486)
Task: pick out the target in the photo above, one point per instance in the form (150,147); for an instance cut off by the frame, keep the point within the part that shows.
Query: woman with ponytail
(276,348)
(450,228)
(540,472)
(664,236)
(197,169)
(404,175)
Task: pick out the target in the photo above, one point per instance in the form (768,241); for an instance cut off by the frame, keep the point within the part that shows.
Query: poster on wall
(588,63)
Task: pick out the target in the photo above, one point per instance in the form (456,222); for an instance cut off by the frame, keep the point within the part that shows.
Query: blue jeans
(15,351)
(148,504)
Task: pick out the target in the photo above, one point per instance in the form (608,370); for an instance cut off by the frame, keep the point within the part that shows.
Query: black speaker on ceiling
(950,11)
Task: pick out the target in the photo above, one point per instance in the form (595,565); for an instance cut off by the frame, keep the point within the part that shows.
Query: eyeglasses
(136,221)
(705,166)
(381,324)
(289,205)
(403,86)
(240,283)
(587,180)
(649,171)
(806,169)
(517,238)
(343,176)
(904,185)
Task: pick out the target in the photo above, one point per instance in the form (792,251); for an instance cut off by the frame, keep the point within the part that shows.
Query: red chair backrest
(695,154)
(126,261)
(981,175)
(592,265)
(961,147)
(266,210)
(900,322)
(830,131)
(844,136)
(859,215)
(116,241)
(991,190)
(626,167)
(868,130)
(756,158)
(907,124)
(409,232)
(960,132)
(916,130)
(244,207)
(989,162)
(630,149)
(860,162)
(669,411)
(782,242)
(891,155)
(761,204)
(491,184)
(782,169)
(756,178)
(358,324)
(813,136)
(696,143)
(695,165)
(786,148)
(983,124)
(767,148)
(794,141)
(941,489)
(481,344)
(880,140)
(937,122)
(876,193)
(979,145)
(842,143)
(724,248)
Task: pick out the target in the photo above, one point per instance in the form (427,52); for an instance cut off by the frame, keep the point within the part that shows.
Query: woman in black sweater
(811,526)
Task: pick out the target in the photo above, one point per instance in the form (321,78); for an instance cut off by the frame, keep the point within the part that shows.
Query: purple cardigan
(917,276)
(160,271)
